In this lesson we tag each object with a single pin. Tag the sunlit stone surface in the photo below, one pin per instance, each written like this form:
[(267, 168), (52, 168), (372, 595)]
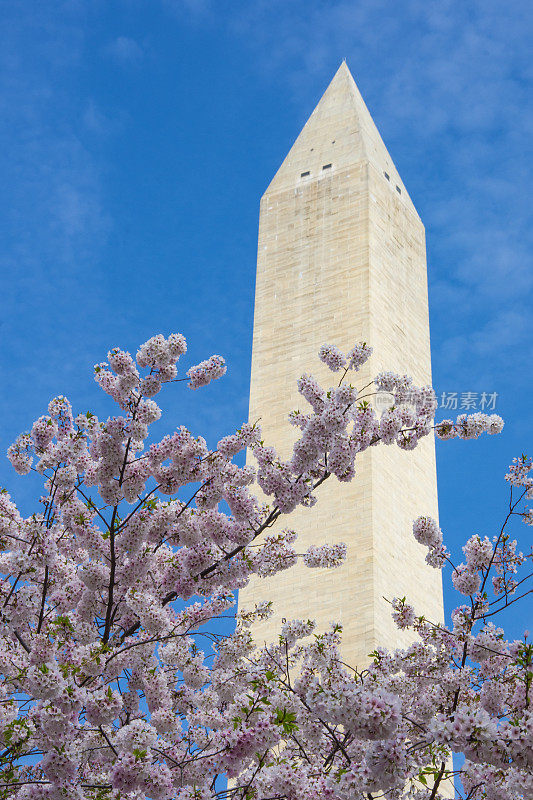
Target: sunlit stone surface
[(341, 259)]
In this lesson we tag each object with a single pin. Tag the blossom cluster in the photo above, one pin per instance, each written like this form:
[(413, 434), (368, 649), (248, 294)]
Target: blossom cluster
[(469, 426), (108, 591)]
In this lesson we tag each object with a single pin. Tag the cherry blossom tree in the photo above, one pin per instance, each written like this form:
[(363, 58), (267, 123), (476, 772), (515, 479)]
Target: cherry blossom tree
[(117, 683)]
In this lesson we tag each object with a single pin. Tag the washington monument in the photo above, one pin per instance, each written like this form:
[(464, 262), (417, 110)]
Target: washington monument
[(342, 259)]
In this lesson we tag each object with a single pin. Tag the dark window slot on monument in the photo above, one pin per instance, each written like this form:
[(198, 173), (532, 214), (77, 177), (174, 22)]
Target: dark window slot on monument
[(326, 166), (305, 174), (398, 190), (387, 175)]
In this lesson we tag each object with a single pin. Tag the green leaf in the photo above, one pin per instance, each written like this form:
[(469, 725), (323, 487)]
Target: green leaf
[(287, 719)]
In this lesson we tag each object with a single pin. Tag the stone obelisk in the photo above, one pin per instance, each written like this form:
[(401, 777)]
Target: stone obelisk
[(341, 259)]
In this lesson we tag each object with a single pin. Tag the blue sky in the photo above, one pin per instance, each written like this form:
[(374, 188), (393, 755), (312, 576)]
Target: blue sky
[(137, 137)]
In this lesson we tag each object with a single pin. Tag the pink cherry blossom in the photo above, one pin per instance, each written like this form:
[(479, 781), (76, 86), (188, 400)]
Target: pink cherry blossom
[(117, 678)]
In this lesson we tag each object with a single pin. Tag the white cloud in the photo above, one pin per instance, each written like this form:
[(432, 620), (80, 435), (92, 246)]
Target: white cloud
[(54, 205), (125, 50)]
